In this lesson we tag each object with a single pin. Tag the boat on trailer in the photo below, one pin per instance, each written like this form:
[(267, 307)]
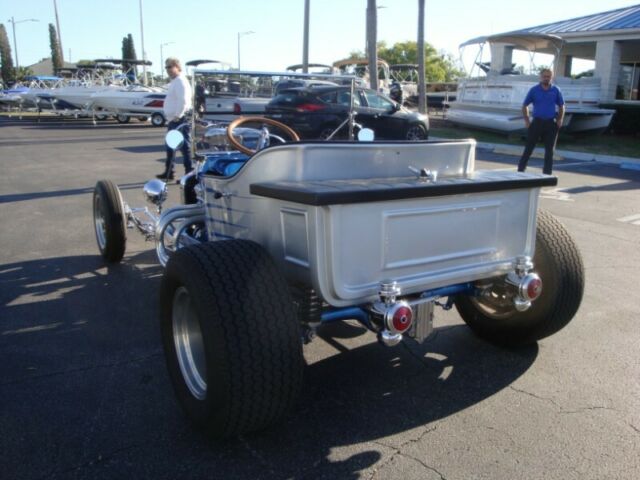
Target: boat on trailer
[(492, 99)]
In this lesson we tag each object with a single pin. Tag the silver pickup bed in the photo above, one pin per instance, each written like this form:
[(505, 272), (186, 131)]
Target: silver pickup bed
[(343, 236)]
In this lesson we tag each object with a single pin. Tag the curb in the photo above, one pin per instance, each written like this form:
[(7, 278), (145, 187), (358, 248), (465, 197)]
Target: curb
[(630, 163)]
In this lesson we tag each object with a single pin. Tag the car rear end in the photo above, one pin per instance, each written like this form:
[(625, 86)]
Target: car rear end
[(302, 109)]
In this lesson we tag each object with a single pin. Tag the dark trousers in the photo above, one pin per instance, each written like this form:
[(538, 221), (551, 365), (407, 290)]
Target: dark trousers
[(185, 147), (547, 130)]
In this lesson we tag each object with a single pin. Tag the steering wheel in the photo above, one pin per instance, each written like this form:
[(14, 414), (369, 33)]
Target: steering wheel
[(242, 120)]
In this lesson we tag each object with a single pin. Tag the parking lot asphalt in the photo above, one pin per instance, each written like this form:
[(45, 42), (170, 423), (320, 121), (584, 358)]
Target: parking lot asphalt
[(84, 391)]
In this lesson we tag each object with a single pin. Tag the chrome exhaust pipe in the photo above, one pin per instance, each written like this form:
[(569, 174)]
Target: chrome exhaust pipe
[(179, 218)]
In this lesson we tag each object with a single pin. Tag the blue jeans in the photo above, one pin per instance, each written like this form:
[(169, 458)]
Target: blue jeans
[(185, 147)]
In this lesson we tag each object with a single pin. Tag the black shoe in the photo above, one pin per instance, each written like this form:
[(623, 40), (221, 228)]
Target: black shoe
[(164, 176)]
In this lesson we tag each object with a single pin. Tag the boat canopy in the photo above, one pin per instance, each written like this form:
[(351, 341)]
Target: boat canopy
[(118, 61), (299, 66), (357, 61), (532, 42), (41, 78), (198, 62)]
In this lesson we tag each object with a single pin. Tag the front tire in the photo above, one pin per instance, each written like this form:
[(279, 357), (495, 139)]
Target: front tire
[(559, 264), (109, 221), (123, 118), (231, 337), (157, 120), (416, 132)]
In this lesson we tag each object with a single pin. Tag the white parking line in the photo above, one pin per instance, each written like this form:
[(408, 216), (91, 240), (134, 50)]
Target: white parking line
[(556, 194), (632, 219)]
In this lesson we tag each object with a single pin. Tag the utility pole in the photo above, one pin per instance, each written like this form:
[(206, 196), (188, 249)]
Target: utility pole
[(372, 40), (305, 41), (55, 8), (144, 56), (422, 90)]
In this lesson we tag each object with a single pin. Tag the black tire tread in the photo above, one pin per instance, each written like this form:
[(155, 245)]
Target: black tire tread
[(116, 238), (247, 301), (563, 288), (422, 127)]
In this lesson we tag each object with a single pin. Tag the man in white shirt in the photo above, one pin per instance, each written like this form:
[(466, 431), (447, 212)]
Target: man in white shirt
[(176, 104)]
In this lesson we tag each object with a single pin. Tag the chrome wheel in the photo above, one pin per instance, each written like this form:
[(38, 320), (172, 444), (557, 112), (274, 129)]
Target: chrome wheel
[(187, 337), (98, 220), (496, 301)]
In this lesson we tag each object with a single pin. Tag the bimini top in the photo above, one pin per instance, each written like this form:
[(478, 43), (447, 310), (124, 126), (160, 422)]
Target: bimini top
[(356, 61), (532, 42)]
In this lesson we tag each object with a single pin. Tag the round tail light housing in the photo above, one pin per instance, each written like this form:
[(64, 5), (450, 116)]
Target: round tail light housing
[(530, 287), (399, 317)]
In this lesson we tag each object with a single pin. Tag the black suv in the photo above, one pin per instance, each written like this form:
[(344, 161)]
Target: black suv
[(316, 112)]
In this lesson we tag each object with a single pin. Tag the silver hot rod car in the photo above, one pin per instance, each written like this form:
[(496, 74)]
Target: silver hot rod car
[(275, 239)]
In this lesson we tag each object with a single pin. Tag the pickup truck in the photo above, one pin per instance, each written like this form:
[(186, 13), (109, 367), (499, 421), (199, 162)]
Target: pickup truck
[(274, 242), (228, 108)]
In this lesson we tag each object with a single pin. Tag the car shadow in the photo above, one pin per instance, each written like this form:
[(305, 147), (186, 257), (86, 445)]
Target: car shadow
[(85, 386), (385, 398)]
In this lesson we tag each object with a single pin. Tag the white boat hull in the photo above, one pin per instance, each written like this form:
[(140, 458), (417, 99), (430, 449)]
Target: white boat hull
[(495, 103), (148, 102), (510, 119)]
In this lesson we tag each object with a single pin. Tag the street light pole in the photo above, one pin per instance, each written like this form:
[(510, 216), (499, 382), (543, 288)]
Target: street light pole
[(242, 34), (15, 43), (162, 58)]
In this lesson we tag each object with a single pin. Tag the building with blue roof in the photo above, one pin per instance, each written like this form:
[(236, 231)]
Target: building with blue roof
[(611, 39)]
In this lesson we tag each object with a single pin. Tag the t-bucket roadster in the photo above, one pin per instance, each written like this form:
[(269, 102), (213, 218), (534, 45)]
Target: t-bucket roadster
[(271, 244)]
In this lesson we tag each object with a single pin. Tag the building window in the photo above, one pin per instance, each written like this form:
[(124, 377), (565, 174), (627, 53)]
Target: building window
[(629, 82)]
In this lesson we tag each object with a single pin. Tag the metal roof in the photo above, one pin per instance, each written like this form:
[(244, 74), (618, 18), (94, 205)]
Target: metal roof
[(620, 19)]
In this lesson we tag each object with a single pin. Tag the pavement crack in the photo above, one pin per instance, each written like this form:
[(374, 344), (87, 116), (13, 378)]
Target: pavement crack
[(561, 409), (634, 427), (397, 451), (428, 467), (96, 461), (538, 397), (586, 409), (255, 454), (82, 369)]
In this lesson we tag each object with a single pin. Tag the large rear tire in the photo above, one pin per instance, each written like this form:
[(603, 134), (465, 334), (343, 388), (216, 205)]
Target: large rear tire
[(109, 221), (559, 264), (231, 337)]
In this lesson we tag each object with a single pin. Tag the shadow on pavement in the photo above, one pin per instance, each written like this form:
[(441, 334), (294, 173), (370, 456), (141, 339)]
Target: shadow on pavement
[(85, 392), (21, 197)]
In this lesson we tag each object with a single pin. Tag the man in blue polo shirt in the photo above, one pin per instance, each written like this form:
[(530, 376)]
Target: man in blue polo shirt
[(546, 122)]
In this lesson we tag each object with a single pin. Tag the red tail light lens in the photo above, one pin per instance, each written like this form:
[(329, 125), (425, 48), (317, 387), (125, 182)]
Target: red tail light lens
[(309, 107), (534, 289), (400, 318), (531, 287), (237, 109)]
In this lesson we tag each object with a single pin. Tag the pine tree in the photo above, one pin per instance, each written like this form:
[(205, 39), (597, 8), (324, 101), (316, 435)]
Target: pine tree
[(7, 72), (129, 53), (56, 55)]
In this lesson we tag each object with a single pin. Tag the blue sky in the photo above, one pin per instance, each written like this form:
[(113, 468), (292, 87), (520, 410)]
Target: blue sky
[(209, 28)]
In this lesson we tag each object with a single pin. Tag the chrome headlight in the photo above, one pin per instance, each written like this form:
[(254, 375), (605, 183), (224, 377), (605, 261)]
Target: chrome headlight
[(155, 192)]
